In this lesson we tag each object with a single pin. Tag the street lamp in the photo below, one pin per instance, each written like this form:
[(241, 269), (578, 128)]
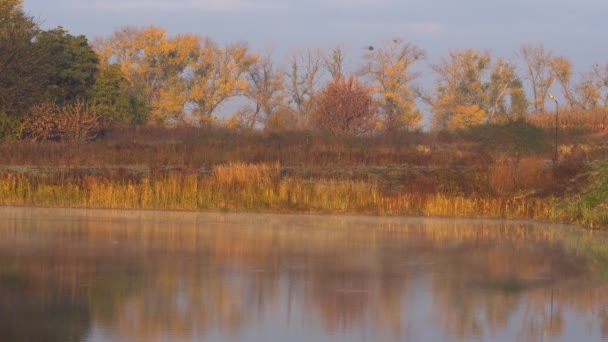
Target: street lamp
[(556, 127)]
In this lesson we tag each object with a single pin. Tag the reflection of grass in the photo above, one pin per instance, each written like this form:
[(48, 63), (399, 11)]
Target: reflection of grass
[(10, 276), (250, 187), (509, 285)]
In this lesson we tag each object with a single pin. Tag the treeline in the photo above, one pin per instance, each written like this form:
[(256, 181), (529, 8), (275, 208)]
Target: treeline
[(56, 86)]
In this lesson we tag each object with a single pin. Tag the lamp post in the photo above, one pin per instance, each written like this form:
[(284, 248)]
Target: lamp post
[(556, 123)]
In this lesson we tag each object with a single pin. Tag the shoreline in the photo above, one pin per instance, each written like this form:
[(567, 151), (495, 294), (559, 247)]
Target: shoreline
[(310, 214), (388, 190)]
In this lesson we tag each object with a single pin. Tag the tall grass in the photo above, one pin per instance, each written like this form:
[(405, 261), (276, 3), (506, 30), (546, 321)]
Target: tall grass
[(595, 120), (248, 187)]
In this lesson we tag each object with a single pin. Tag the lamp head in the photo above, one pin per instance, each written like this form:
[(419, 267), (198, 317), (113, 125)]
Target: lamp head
[(551, 96)]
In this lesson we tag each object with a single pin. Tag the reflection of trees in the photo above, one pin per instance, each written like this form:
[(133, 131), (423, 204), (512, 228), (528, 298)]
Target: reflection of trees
[(177, 276), (21, 318)]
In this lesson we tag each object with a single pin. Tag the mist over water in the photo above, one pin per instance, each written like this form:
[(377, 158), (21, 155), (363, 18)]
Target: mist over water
[(99, 275)]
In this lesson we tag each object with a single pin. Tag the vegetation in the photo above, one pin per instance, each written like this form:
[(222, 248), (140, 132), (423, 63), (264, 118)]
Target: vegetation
[(139, 120), (459, 174), (145, 76)]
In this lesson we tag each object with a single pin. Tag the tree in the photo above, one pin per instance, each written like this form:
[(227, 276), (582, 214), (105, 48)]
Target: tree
[(334, 62), (504, 84), (304, 76), (218, 75), (389, 69), (345, 107), (155, 66), (600, 76), (265, 91), (461, 99), (519, 101), (562, 69), (113, 99), (471, 90), (592, 90), (71, 65), (540, 73), (20, 64)]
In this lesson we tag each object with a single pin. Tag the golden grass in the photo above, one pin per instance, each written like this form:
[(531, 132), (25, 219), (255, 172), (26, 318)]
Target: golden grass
[(595, 120), (249, 187)]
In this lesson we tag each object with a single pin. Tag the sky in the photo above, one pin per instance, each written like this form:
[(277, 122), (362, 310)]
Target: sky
[(576, 29)]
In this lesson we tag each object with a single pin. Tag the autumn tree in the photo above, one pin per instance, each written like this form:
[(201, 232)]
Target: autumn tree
[(217, 74), (345, 107), (460, 97), (518, 99), (471, 90), (562, 69), (505, 84), (155, 65), (389, 69), (538, 63), (599, 76), (592, 89)]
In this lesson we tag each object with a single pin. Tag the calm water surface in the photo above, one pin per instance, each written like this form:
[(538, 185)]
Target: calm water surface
[(93, 275)]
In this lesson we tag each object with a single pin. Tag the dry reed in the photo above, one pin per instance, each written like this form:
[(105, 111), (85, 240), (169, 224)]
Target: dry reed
[(250, 187)]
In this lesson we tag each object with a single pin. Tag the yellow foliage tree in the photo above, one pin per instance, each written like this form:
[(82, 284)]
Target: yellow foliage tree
[(562, 69), (155, 65), (389, 69), (465, 116), (217, 75), (461, 88), (471, 90)]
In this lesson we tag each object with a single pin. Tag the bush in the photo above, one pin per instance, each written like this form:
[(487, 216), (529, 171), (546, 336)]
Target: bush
[(71, 123), (10, 128), (346, 107)]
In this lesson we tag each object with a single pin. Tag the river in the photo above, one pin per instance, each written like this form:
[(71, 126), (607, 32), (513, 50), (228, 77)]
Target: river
[(107, 275)]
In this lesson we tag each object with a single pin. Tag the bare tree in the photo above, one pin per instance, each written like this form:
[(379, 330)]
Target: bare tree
[(540, 72), (306, 68), (334, 62), (266, 91)]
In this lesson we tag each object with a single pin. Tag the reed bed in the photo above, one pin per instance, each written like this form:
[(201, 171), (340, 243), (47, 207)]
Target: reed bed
[(249, 187)]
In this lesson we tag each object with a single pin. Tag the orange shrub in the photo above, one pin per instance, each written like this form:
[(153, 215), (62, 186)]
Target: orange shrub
[(346, 107)]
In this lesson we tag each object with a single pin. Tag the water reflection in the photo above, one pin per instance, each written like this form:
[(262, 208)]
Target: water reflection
[(91, 275)]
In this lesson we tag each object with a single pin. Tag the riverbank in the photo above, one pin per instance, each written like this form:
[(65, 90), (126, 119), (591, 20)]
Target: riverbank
[(463, 174), (272, 188)]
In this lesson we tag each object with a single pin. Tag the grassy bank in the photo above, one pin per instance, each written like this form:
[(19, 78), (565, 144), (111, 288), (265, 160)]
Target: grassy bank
[(249, 187), (586, 201), (498, 170)]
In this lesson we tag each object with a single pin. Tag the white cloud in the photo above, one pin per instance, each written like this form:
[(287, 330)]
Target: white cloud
[(428, 28), (188, 5)]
